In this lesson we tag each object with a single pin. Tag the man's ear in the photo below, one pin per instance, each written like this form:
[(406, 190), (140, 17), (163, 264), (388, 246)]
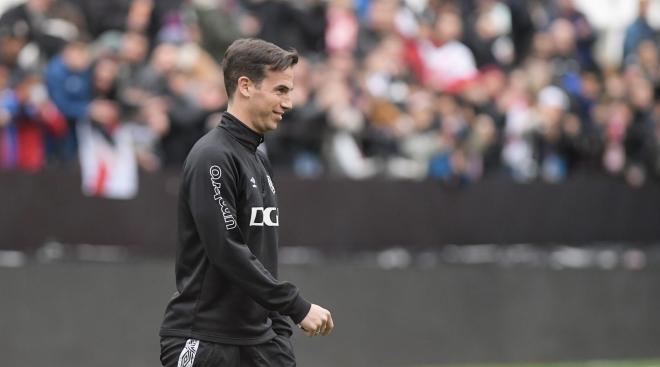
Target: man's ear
[(244, 84)]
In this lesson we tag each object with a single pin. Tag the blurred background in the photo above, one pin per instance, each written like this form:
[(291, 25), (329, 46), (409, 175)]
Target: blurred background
[(460, 182)]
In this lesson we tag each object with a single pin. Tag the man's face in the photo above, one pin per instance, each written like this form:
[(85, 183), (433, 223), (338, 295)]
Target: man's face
[(271, 99)]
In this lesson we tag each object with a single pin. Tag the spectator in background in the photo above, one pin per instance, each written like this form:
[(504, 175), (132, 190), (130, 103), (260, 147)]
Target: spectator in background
[(291, 24), (342, 27), (103, 16), (12, 41), (142, 16), (423, 141), (223, 21), (652, 145), (616, 123), (107, 144), (152, 78), (379, 22), (641, 103), (148, 129), (450, 164), (483, 94), (347, 150), (647, 60), (550, 142), (522, 28), (186, 119), (586, 106), (32, 19), (637, 32), (585, 35), (107, 153), (29, 123), (565, 58), (68, 78), (447, 64), (518, 102), (487, 34), (132, 56), (105, 71), (482, 147)]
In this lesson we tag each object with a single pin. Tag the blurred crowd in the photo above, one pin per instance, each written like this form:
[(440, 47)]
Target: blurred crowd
[(415, 89)]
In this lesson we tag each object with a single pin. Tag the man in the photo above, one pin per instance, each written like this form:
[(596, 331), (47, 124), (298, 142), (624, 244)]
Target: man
[(229, 308), (637, 32)]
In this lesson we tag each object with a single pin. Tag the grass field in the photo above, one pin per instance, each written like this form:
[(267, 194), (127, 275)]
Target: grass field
[(649, 363)]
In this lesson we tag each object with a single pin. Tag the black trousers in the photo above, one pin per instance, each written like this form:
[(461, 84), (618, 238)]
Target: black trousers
[(181, 352)]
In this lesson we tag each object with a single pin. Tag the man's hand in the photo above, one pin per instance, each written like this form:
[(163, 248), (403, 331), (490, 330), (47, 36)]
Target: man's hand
[(317, 322)]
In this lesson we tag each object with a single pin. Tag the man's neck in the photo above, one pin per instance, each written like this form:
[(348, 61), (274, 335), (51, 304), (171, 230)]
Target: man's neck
[(243, 116)]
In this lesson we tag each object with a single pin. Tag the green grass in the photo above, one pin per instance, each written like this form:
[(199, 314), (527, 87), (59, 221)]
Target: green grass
[(655, 363)]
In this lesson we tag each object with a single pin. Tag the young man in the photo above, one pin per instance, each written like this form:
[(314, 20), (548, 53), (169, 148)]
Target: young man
[(229, 309)]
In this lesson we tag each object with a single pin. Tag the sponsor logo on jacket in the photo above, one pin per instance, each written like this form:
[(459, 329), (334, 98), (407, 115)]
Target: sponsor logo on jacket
[(270, 183), (264, 217), (216, 174)]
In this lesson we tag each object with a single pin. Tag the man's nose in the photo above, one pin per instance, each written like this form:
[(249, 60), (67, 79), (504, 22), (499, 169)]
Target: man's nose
[(286, 104)]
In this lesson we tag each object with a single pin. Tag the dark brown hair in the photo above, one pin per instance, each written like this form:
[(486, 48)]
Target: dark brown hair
[(251, 57)]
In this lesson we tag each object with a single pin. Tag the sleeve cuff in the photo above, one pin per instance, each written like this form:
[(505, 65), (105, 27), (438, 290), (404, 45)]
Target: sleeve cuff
[(300, 309)]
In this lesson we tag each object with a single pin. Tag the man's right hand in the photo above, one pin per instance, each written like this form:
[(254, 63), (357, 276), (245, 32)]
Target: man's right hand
[(317, 322)]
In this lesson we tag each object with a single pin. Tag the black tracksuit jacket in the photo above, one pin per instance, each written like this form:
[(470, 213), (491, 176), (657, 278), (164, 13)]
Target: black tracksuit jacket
[(226, 261)]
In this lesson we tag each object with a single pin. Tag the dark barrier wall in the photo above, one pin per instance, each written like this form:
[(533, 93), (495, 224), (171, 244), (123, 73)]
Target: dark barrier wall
[(336, 214), (97, 315)]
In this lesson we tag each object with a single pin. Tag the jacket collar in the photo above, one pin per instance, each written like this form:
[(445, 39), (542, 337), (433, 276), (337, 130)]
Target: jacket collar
[(248, 138)]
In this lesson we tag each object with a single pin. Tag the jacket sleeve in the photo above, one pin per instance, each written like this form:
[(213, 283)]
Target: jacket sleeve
[(212, 196)]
